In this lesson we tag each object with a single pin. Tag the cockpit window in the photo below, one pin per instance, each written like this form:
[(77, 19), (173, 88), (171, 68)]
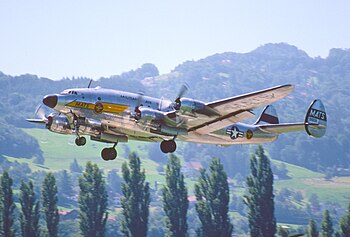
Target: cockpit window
[(69, 92)]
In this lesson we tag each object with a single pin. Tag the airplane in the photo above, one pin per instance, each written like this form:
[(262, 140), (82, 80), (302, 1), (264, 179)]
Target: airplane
[(113, 116)]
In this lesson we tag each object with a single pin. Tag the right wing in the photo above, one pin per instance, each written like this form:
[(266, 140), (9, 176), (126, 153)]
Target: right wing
[(237, 109)]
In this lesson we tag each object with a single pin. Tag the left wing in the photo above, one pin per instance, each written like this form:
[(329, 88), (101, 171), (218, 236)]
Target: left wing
[(238, 108)]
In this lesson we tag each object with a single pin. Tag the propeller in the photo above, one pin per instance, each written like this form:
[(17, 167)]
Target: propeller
[(41, 117), (137, 113), (40, 113), (183, 89)]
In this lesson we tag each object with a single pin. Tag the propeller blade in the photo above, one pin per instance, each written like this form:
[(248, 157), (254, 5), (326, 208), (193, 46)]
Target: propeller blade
[(40, 113), (184, 88), (36, 121)]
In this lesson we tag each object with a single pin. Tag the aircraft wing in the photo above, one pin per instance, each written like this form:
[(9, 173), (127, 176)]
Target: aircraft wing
[(237, 109)]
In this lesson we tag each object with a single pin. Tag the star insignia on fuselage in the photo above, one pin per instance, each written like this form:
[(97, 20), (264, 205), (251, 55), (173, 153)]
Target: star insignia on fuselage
[(234, 132)]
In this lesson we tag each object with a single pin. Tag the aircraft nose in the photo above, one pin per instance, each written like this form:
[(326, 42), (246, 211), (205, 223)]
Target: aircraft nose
[(50, 100)]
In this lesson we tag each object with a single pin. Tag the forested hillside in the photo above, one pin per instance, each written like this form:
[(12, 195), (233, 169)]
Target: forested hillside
[(215, 77)]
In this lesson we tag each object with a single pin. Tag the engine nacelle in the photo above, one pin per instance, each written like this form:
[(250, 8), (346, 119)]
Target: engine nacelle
[(148, 115), (58, 124), (191, 105)]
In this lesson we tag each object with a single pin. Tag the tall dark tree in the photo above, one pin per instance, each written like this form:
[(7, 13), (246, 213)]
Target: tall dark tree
[(175, 202), (30, 210), (7, 206), (213, 196), (345, 223), (135, 202), (260, 200), (93, 201), (327, 225), (312, 229), (49, 202)]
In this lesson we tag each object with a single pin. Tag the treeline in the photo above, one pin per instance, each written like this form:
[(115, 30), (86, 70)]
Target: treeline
[(39, 216)]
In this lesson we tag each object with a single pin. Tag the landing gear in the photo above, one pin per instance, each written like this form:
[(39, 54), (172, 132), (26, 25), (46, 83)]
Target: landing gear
[(168, 146), (109, 153), (80, 141)]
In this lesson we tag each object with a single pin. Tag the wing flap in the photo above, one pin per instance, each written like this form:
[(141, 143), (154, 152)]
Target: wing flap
[(222, 122)]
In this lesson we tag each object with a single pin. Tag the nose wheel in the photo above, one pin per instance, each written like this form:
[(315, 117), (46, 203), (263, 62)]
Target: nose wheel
[(168, 146)]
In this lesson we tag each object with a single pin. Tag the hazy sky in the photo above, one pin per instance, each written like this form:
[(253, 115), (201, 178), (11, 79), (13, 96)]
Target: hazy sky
[(92, 38)]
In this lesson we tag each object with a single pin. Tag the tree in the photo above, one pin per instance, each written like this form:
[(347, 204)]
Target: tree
[(75, 167), (49, 202), (327, 225), (175, 202), (213, 196), (345, 223), (135, 202), (64, 184), (7, 206), (312, 229), (30, 210), (93, 200), (260, 199)]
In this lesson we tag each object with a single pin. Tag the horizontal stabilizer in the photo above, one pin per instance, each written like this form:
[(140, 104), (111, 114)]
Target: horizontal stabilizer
[(283, 127), (315, 122)]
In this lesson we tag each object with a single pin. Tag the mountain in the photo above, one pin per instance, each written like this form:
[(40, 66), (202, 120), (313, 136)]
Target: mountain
[(222, 75)]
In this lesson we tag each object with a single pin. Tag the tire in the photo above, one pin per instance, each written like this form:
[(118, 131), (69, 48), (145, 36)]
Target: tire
[(82, 141), (108, 154)]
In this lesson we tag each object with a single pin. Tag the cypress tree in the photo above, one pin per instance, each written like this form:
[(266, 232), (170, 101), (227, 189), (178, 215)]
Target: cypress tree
[(49, 202), (262, 222), (7, 206), (30, 211), (345, 223), (212, 194), (135, 202), (175, 202), (327, 225), (93, 200), (312, 229)]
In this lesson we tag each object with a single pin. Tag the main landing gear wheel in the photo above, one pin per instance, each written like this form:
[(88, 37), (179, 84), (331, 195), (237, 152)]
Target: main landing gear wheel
[(80, 141), (168, 146), (109, 153)]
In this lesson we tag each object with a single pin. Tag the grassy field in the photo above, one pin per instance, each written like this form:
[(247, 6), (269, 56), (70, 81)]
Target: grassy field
[(59, 152)]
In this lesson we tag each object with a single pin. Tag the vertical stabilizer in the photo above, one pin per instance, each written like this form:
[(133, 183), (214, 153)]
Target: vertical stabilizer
[(316, 119), (268, 116)]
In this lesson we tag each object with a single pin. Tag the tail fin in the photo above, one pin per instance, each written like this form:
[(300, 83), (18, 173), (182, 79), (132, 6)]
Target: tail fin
[(316, 119), (268, 116)]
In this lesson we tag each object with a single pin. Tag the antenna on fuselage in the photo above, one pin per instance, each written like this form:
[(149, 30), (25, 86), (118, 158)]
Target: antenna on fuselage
[(90, 83)]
